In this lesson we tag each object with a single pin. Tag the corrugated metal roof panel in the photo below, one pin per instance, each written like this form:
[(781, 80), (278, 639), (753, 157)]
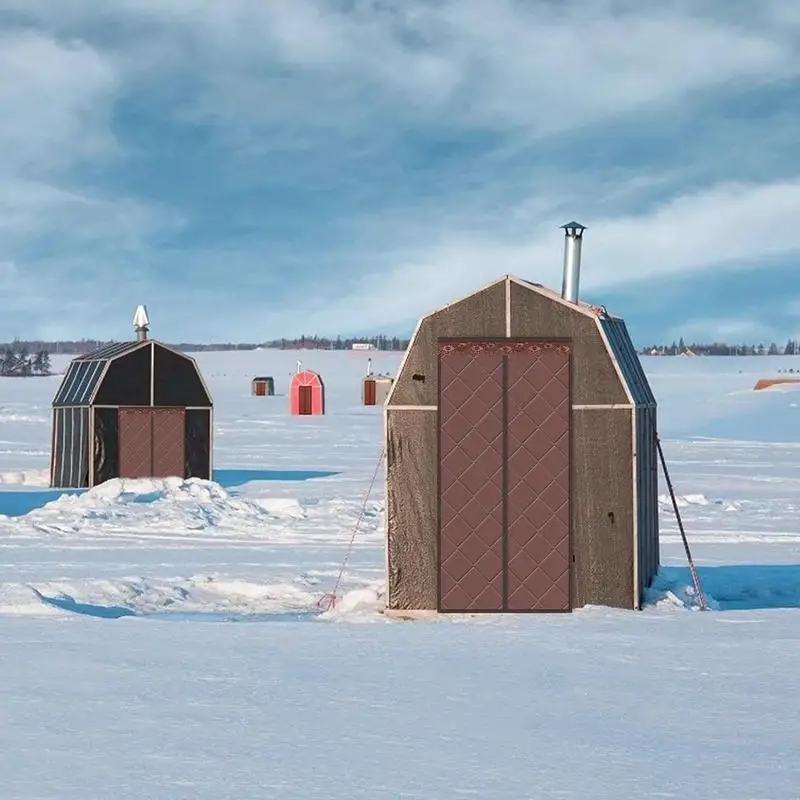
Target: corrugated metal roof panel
[(110, 351), (619, 340), (84, 373), (78, 383), (85, 385), (66, 382)]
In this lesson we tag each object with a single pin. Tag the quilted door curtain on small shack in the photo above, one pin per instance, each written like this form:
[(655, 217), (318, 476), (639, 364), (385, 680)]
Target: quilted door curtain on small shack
[(504, 467)]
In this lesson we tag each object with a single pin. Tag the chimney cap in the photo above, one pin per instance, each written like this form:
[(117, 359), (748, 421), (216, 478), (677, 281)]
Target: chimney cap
[(140, 317), (573, 228)]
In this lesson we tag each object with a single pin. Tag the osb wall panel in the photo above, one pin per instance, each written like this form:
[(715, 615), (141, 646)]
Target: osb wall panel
[(602, 507), (594, 379), (411, 514), (481, 314)]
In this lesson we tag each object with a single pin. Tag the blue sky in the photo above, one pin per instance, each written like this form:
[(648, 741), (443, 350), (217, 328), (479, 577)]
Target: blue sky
[(251, 169)]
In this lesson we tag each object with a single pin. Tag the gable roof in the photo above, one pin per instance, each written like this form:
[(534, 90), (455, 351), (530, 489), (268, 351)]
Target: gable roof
[(85, 372), (613, 329)]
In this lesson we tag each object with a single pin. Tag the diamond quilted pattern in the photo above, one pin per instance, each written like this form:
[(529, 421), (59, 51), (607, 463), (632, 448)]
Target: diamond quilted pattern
[(168, 442), (471, 478), (538, 510), (504, 413), (135, 453)]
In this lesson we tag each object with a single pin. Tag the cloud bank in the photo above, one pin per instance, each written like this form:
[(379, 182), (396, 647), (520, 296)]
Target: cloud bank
[(255, 169)]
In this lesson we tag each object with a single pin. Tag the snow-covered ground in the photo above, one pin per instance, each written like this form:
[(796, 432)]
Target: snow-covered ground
[(121, 675)]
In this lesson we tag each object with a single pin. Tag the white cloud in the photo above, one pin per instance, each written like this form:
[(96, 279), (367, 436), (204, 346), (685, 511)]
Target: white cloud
[(726, 226), (540, 66), (56, 98), (300, 91)]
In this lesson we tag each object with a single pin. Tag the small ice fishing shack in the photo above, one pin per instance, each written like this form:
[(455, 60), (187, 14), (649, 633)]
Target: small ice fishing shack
[(137, 409), (521, 456)]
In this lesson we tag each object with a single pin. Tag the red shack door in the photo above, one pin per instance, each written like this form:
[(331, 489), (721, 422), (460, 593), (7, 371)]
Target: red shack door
[(305, 400), (504, 511), (261, 388), (369, 393)]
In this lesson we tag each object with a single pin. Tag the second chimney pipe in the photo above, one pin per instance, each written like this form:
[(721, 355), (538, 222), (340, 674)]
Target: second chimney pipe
[(573, 239)]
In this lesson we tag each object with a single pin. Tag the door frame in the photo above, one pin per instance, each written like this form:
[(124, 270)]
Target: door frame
[(571, 454)]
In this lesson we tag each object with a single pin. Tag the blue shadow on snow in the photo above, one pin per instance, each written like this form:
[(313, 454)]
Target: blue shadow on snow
[(228, 478), (65, 603), (18, 502), (741, 587), (86, 609)]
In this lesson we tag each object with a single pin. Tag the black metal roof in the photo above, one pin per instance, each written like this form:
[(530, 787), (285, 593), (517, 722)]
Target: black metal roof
[(85, 372), (622, 348), (112, 350), (263, 378), (79, 382)]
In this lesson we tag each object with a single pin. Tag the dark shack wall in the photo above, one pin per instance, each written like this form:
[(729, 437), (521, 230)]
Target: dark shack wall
[(70, 456), (198, 444), (602, 507), (127, 380), (647, 496), (176, 381), (105, 461), (594, 379), (482, 314), (411, 512)]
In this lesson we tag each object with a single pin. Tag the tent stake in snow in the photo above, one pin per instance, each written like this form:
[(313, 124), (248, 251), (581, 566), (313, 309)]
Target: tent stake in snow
[(695, 578)]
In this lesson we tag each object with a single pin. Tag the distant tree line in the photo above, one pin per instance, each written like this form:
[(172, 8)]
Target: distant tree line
[(16, 362), (75, 347), (792, 347), (381, 342)]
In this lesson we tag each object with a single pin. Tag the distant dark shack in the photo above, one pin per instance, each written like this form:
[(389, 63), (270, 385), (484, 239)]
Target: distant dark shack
[(263, 386), (131, 410), (521, 461)]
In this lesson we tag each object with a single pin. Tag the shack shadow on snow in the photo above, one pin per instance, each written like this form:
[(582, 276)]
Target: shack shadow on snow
[(228, 478), (18, 502), (740, 587), (66, 603)]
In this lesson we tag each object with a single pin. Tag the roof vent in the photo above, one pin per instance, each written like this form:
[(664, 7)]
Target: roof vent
[(141, 323), (573, 239)]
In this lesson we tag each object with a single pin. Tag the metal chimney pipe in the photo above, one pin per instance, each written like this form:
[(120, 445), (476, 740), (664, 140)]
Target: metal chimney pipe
[(573, 239), (141, 323)]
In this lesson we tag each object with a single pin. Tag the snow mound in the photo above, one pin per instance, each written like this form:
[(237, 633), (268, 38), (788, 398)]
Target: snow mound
[(142, 597), (696, 501), (684, 500), (282, 506), (134, 507), (26, 477), (359, 605), (677, 593)]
